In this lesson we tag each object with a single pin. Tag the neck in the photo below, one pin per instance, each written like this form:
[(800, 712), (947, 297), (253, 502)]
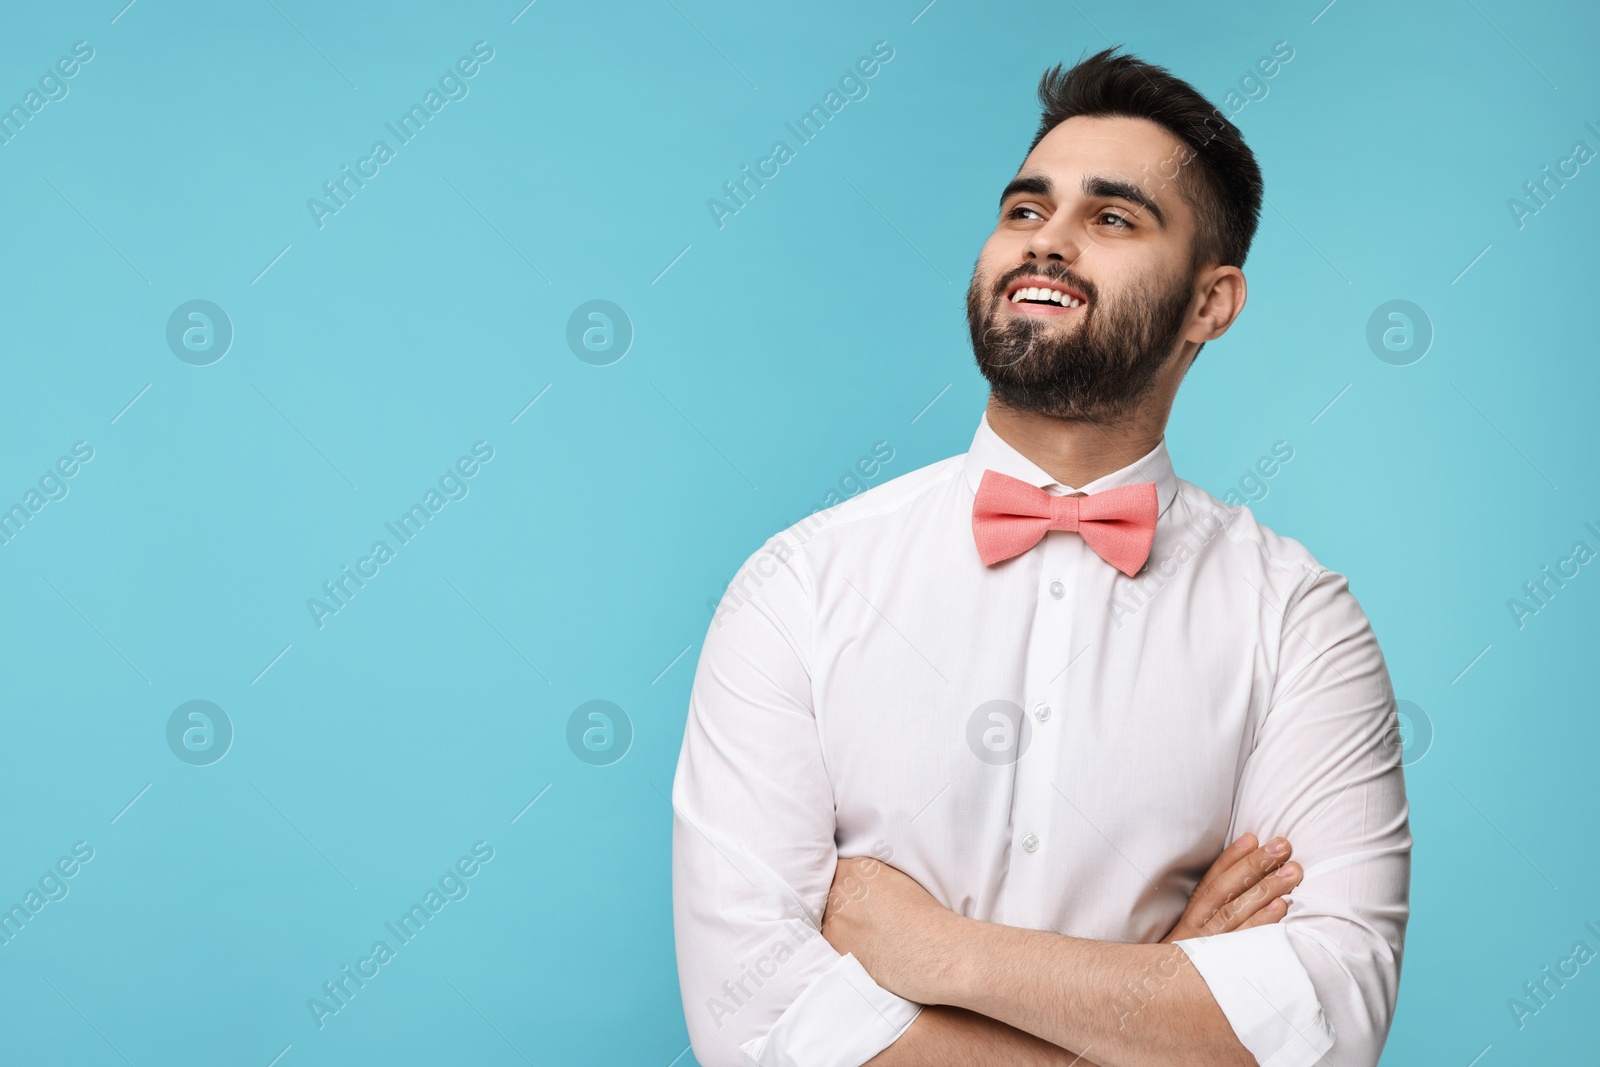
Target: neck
[(1075, 451)]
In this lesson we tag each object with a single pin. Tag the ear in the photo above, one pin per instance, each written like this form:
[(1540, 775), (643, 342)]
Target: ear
[(1220, 292)]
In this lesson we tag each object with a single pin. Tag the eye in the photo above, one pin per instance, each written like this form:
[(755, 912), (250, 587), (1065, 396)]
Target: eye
[(1119, 222), (1017, 212)]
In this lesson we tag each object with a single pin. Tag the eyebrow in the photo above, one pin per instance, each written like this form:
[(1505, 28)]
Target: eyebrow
[(1094, 185)]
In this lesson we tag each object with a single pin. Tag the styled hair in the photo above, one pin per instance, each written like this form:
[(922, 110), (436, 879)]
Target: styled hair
[(1219, 178)]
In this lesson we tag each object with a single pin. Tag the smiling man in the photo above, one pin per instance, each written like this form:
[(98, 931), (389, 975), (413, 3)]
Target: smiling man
[(959, 777)]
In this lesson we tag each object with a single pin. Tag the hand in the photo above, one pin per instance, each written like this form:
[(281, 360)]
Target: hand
[(1239, 891), (892, 925)]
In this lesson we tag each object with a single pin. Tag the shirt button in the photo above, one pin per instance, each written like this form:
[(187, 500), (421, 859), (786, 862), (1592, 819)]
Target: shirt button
[(1029, 842), (1041, 712), (1057, 590)]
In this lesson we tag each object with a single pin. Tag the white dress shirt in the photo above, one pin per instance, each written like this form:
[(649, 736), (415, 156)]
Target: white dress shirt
[(1044, 743)]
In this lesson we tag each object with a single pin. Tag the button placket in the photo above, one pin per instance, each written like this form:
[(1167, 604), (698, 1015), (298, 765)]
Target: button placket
[(1035, 800)]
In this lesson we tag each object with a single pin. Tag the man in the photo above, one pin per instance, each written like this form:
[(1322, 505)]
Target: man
[(960, 749)]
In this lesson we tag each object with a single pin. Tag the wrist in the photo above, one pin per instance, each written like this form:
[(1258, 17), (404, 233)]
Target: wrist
[(954, 961)]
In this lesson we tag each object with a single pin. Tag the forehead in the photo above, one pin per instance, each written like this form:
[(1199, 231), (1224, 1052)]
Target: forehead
[(1106, 144)]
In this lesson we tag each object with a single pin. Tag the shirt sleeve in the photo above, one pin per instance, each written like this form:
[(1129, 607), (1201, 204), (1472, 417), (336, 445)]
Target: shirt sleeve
[(1319, 986), (753, 848)]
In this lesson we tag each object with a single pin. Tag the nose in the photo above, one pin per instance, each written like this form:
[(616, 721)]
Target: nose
[(1056, 242)]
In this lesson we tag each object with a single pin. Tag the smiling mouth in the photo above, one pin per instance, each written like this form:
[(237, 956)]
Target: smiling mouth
[(1036, 296)]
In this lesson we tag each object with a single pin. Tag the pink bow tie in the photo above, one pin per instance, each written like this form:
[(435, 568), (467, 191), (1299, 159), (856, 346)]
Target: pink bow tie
[(1010, 516)]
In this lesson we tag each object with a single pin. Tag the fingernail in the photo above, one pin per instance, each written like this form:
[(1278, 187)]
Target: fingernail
[(1277, 846), (1287, 871)]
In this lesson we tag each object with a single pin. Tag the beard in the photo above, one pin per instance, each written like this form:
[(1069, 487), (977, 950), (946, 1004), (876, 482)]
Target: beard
[(1097, 371)]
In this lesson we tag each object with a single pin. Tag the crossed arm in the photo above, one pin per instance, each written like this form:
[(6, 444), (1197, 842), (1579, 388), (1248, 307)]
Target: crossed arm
[(754, 855), (1000, 994)]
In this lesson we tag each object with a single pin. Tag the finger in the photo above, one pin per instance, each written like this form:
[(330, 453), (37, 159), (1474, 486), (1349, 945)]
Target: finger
[(1273, 912), (1250, 870), (1243, 875), (1234, 914), (1230, 855)]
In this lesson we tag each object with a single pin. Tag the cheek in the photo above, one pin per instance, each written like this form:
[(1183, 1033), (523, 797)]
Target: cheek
[(1003, 250), (986, 269), (984, 272)]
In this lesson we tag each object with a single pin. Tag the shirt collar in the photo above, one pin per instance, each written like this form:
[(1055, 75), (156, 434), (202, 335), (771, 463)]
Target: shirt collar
[(990, 451)]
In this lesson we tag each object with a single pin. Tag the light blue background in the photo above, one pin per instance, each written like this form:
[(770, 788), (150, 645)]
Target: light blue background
[(769, 356)]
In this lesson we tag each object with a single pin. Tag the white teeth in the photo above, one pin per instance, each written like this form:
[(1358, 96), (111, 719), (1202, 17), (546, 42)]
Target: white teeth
[(1054, 296)]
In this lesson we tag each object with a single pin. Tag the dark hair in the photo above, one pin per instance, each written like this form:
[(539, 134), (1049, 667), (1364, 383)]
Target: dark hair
[(1224, 184)]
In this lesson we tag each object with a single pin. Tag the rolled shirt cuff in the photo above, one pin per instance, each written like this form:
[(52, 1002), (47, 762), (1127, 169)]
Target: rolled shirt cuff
[(1262, 987), (842, 1019)]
